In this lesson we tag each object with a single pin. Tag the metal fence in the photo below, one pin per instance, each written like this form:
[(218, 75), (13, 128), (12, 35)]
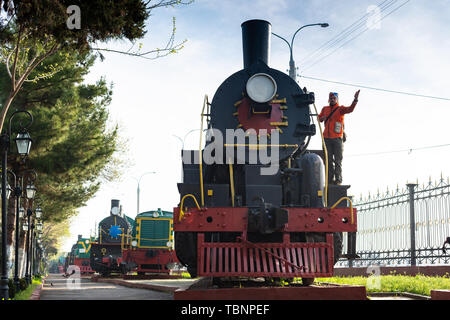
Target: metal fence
[(405, 226)]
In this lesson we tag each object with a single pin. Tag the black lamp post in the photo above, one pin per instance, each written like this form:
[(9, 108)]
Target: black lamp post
[(36, 235), (19, 213), (23, 143), (28, 229), (292, 70), (30, 193), (30, 274)]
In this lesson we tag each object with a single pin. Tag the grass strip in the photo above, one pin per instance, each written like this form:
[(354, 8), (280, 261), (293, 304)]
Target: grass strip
[(26, 294), (418, 284)]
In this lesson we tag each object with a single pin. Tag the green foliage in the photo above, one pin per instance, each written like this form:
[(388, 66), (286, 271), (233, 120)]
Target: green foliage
[(12, 288), (418, 284), (26, 293), (22, 284), (101, 20), (72, 143)]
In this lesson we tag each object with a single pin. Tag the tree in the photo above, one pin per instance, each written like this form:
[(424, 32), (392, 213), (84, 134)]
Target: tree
[(32, 33), (34, 30), (73, 145)]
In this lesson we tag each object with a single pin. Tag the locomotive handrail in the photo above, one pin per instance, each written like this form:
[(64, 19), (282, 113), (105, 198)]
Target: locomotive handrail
[(205, 103), (351, 205), (231, 182), (182, 201), (326, 159)]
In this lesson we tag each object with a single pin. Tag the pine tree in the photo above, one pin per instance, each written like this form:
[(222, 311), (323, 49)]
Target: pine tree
[(72, 141)]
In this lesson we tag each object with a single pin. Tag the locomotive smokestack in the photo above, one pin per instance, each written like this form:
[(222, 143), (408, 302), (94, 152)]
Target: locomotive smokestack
[(256, 41), (115, 204)]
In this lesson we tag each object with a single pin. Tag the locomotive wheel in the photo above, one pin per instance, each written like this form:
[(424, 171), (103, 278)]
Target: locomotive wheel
[(186, 251)]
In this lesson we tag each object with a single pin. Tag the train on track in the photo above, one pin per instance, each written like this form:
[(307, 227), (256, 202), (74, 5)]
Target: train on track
[(143, 245), (256, 203), (79, 256)]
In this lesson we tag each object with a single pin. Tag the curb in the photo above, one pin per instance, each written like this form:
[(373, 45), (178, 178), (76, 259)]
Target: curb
[(399, 294), (440, 294), (36, 295), (139, 285)]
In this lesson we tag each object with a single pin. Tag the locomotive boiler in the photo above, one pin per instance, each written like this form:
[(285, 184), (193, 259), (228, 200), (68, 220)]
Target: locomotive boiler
[(254, 201)]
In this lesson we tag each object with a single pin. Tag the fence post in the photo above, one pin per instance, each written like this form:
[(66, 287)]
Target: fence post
[(412, 221)]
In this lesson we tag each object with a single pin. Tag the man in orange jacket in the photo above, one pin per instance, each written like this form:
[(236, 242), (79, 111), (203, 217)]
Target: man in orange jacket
[(333, 115)]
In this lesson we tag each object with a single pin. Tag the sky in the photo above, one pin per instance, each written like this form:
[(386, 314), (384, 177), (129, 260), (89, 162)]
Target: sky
[(156, 100)]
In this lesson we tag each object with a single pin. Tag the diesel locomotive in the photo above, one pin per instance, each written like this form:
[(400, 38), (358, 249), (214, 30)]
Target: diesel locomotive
[(79, 255), (152, 247), (242, 215), (143, 245)]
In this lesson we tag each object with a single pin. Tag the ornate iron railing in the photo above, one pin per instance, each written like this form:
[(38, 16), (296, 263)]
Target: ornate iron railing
[(385, 235)]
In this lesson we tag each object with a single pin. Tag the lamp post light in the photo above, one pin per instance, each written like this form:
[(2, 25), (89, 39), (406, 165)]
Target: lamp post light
[(38, 212), (23, 143), (292, 69), (31, 191)]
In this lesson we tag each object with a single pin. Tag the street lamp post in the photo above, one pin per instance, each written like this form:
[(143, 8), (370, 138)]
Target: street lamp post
[(27, 248), (30, 192), (17, 194), (36, 260), (23, 143), (30, 274), (292, 69), (138, 187)]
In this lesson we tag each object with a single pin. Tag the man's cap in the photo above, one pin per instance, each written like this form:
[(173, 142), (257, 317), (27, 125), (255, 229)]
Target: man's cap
[(335, 94)]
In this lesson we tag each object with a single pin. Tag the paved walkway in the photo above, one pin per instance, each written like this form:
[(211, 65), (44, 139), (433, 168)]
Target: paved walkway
[(58, 288)]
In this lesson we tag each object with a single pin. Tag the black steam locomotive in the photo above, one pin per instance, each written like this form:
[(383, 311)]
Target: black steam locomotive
[(113, 232), (261, 208)]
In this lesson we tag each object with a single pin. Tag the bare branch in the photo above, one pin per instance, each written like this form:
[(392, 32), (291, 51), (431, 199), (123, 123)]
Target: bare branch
[(165, 51), (166, 3), (13, 77), (7, 63)]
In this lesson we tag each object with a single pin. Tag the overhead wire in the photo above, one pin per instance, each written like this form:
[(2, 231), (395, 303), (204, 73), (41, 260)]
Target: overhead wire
[(378, 89), (308, 66), (410, 150), (344, 33)]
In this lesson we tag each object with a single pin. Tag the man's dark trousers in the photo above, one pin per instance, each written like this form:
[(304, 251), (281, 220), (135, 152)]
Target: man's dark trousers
[(335, 150)]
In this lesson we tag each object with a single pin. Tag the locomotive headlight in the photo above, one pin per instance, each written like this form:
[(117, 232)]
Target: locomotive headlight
[(169, 244), (134, 243), (155, 214), (115, 211), (261, 88)]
